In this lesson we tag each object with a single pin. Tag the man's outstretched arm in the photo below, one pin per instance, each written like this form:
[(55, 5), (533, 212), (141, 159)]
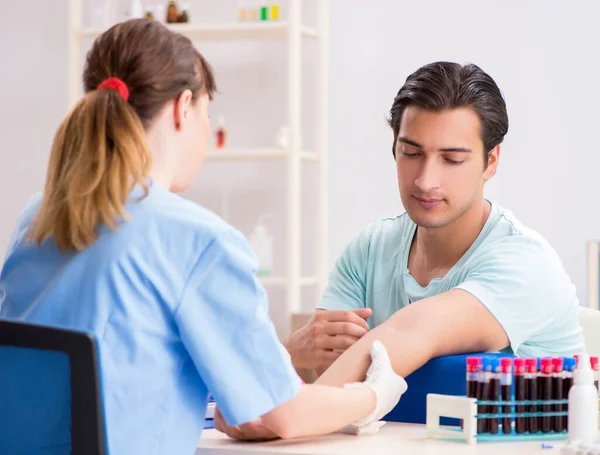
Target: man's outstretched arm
[(449, 323)]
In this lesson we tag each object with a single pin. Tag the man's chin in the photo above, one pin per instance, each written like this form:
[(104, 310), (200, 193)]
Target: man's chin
[(427, 221)]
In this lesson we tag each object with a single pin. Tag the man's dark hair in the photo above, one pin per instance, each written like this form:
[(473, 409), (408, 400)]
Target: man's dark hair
[(447, 85)]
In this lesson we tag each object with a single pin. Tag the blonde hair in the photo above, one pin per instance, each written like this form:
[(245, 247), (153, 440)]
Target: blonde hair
[(100, 151)]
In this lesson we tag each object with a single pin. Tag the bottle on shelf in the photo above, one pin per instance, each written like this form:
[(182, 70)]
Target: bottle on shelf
[(282, 138), (172, 12), (220, 133), (185, 15), (253, 10), (243, 13), (274, 11), (262, 244), (149, 13), (264, 11)]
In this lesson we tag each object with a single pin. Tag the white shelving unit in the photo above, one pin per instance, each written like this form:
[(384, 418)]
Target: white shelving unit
[(293, 32)]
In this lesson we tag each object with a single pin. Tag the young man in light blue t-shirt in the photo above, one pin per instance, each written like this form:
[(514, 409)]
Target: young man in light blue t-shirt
[(454, 274)]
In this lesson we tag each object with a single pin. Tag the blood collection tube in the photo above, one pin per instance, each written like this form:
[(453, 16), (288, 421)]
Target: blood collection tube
[(520, 394), (483, 392), (569, 367), (473, 373), (473, 369), (540, 388), (546, 393), (494, 394), (557, 393), (531, 393), (506, 392)]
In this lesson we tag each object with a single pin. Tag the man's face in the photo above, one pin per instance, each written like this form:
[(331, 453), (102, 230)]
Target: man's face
[(440, 163)]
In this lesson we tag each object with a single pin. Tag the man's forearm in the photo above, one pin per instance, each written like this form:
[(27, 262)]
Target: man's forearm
[(407, 350)]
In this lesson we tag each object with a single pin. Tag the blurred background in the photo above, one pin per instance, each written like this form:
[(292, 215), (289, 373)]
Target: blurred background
[(542, 53)]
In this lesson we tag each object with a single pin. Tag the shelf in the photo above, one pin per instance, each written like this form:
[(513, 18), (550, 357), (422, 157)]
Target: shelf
[(256, 154), (225, 31), (282, 280)]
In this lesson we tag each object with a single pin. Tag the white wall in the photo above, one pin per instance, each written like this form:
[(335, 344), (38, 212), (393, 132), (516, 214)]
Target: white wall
[(33, 61), (542, 54)]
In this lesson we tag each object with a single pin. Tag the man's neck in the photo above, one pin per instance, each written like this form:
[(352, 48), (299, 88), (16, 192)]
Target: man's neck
[(438, 249)]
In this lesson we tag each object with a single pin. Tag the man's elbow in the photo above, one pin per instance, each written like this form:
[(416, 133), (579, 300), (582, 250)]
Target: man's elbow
[(287, 431), (282, 424)]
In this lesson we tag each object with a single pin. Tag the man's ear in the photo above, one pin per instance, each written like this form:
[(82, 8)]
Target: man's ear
[(492, 164)]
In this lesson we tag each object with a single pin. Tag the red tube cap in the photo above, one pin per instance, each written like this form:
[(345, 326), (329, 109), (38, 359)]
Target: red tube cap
[(557, 363), (473, 364), (531, 365), (506, 364), (546, 365), (519, 366)]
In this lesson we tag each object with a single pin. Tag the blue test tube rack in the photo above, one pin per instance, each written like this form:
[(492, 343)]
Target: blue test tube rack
[(465, 408)]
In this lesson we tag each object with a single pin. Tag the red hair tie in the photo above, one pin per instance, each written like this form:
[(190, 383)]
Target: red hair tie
[(114, 83)]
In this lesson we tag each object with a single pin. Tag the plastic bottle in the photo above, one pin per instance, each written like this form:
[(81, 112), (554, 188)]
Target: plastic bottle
[(242, 10), (264, 11), (282, 138), (274, 11), (583, 404), (253, 10), (262, 244), (569, 367)]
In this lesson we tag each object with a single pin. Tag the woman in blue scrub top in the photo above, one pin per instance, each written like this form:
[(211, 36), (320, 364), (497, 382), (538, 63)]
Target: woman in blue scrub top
[(167, 287)]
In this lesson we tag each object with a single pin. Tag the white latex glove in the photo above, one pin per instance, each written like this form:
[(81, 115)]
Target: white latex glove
[(387, 385)]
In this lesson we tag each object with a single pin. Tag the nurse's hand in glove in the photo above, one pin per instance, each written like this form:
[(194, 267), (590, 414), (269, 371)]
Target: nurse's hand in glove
[(387, 385)]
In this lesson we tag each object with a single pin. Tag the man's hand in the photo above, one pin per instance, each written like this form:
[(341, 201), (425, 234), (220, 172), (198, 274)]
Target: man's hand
[(326, 336), (251, 431)]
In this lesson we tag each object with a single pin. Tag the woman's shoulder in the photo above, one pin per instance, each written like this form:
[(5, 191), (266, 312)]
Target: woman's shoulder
[(174, 217)]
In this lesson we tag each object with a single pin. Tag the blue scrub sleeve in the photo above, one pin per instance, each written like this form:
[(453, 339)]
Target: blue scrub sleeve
[(224, 323)]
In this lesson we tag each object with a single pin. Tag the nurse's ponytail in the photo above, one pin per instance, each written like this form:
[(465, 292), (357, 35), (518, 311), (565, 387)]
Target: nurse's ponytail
[(100, 150)]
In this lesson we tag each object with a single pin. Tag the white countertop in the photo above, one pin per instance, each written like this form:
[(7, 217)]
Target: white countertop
[(393, 438)]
